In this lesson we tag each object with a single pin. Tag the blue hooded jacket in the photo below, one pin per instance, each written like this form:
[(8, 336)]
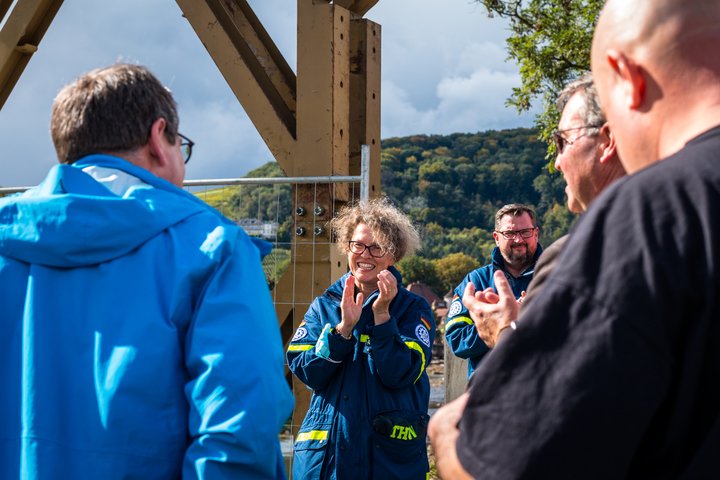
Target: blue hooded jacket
[(139, 337), (368, 413), (460, 332)]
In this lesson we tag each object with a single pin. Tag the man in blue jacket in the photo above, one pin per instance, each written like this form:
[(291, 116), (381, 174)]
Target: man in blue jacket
[(139, 338), (516, 252)]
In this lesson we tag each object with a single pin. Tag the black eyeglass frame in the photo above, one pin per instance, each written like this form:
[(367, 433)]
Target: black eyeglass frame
[(186, 145), (369, 248), (525, 233), (561, 142)]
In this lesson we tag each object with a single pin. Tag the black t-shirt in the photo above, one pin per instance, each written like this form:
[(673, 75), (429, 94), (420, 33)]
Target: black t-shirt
[(614, 370)]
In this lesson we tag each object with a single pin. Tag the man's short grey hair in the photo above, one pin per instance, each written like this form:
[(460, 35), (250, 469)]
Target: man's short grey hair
[(591, 114)]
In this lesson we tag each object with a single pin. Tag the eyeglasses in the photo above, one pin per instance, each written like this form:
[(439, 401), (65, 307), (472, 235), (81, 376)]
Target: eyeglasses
[(375, 250), (512, 234), (561, 142), (186, 146)]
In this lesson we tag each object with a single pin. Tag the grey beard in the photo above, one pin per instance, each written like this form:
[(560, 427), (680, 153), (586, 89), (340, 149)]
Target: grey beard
[(519, 261)]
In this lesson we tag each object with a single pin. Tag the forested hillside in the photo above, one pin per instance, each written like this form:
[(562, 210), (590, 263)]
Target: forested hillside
[(451, 186), (457, 182)]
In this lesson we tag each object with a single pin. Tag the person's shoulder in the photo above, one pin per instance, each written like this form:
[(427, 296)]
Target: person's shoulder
[(481, 271), (695, 163), (553, 249), (673, 184), (477, 276), (483, 274), (634, 215), (216, 236), (216, 228)]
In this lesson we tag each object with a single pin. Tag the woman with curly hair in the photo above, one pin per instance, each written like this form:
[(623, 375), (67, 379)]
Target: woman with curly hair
[(363, 348)]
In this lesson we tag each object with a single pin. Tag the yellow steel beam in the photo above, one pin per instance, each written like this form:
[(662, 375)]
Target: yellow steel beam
[(338, 100), (20, 36), (365, 97), (4, 7), (323, 89), (252, 65)]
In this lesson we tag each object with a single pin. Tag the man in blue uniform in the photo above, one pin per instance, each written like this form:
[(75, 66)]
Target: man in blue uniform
[(139, 338), (516, 252)]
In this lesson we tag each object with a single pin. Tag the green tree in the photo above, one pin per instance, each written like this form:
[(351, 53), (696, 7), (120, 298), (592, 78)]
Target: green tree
[(453, 268), (551, 42), (418, 269), (556, 222), (263, 202)]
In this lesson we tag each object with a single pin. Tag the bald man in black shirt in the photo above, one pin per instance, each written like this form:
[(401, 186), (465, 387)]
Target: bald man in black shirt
[(613, 371)]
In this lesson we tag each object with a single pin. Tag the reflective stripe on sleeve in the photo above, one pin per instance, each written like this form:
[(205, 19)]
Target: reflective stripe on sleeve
[(455, 320), (312, 435), (299, 348), (415, 346)]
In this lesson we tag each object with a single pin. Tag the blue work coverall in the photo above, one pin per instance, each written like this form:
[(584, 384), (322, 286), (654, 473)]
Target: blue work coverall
[(139, 338), (460, 332), (368, 413)]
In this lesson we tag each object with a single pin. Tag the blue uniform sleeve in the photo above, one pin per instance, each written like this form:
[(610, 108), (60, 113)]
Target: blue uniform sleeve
[(314, 354), (460, 332), (401, 348), (237, 393)]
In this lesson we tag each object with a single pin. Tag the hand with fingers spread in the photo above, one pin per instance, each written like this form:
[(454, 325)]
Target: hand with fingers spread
[(491, 312), (350, 307), (387, 288)]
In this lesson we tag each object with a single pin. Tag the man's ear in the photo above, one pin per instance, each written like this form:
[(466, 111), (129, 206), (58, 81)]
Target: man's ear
[(629, 77), (157, 144), (608, 144)]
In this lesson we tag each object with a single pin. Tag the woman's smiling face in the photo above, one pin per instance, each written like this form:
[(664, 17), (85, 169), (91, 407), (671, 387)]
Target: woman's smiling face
[(364, 266)]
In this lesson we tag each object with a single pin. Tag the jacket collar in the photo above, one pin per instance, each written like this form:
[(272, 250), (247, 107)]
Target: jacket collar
[(499, 262)]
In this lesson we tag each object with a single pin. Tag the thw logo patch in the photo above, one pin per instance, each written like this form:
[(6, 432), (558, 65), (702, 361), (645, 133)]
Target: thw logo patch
[(422, 334)]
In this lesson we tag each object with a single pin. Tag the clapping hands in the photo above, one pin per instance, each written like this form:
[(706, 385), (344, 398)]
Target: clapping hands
[(491, 312)]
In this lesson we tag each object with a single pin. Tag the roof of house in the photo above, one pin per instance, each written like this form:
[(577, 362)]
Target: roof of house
[(424, 291)]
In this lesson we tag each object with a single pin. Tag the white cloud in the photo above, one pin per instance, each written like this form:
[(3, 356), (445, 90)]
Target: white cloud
[(464, 104), (227, 144), (444, 70), (478, 101), (476, 55)]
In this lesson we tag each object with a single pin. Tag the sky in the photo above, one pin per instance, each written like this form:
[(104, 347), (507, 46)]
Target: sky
[(444, 70)]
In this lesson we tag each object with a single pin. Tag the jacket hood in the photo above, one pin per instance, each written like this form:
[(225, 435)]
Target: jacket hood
[(71, 220)]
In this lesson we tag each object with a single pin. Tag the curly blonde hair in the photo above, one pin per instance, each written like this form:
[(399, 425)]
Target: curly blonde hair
[(391, 228)]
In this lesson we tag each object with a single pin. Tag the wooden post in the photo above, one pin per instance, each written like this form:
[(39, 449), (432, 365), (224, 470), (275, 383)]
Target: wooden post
[(456, 370)]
